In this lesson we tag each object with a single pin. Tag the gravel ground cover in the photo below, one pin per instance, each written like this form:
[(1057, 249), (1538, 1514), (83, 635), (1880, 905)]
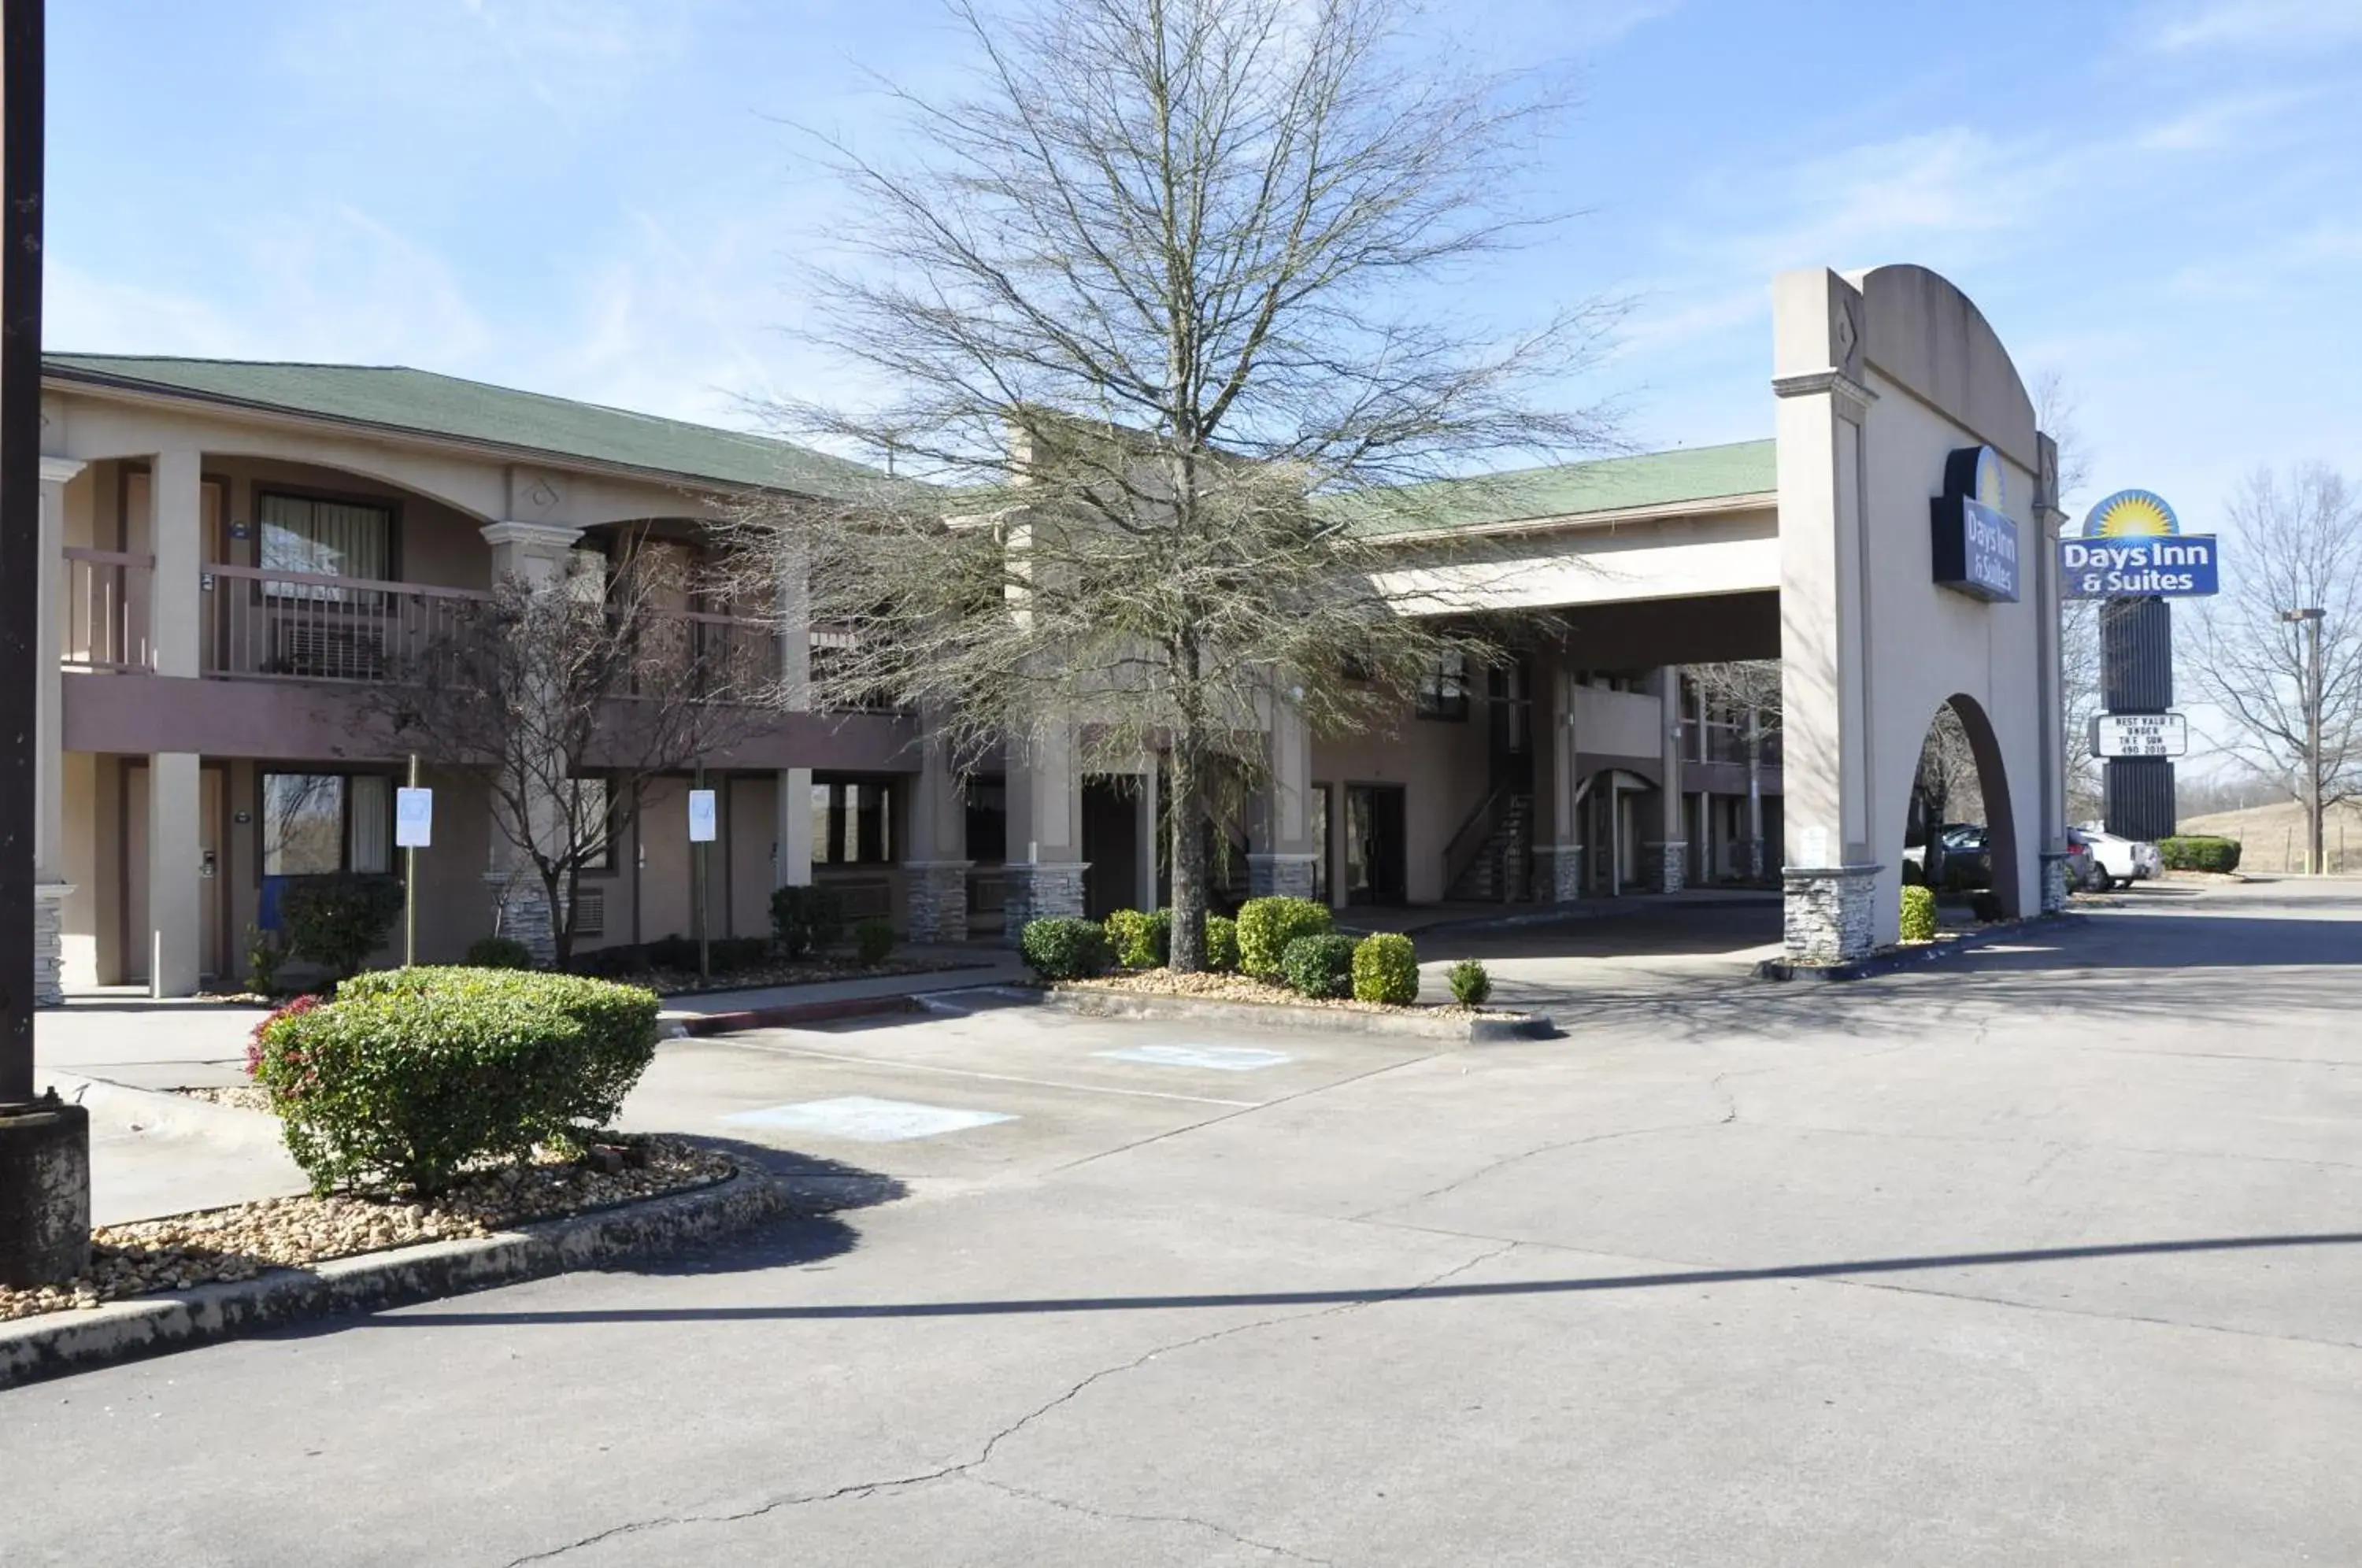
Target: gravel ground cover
[(1247, 989), (240, 1242)]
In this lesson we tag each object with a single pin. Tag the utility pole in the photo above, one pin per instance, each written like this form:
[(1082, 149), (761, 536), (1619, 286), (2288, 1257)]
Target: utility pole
[(44, 1143), (2315, 863)]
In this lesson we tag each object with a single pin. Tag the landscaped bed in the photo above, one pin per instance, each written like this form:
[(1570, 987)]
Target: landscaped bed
[(1247, 989), (763, 977), (181, 1251)]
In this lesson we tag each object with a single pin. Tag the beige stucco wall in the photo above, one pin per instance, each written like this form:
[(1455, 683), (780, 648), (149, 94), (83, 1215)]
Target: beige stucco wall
[(1443, 767)]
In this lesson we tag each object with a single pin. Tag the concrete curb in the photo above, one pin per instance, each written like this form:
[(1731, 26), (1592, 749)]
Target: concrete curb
[(1571, 913), (1317, 1020), (60, 1343), (689, 1025), (160, 1111), (1895, 960)]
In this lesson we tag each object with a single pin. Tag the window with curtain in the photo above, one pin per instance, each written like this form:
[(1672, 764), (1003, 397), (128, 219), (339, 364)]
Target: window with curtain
[(1444, 694), (323, 538), (853, 822), (316, 824)]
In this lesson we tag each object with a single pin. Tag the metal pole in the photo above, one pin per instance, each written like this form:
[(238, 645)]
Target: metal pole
[(2313, 741), (705, 947), (22, 573), (409, 889)]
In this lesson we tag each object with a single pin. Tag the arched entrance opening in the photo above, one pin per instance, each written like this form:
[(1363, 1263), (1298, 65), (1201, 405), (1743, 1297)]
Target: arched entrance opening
[(1958, 829)]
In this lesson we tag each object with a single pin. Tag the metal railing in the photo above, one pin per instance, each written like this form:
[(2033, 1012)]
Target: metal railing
[(707, 655), (264, 624), (105, 621)]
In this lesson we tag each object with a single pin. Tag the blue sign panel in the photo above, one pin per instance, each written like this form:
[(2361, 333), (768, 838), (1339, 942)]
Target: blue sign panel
[(1975, 541), (2162, 566)]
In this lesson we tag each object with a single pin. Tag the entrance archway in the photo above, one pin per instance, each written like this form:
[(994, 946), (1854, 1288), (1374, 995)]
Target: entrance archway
[(1962, 780)]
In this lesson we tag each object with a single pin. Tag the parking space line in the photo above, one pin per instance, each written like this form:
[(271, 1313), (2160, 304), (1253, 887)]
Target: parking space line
[(972, 1073)]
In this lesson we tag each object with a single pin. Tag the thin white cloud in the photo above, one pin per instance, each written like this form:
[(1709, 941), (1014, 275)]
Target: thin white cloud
[(2257, 24)]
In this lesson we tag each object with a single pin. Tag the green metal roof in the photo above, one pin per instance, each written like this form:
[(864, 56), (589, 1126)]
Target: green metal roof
[(1567, 489), (394, 397)]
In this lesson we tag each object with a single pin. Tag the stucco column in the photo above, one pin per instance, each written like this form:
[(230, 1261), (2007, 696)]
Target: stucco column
[(937, 866), (2044, 584), (1282, 857), (1668, 853), (175, 875), (1558, 839), (1045, 863), (175, 594), (792, 865), (1830, 875), (539, 556), (792, 855), (51, 888)]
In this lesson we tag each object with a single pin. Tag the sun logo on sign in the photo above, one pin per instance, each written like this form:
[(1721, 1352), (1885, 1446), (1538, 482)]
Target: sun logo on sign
[(2131, 515), (1992, 488)]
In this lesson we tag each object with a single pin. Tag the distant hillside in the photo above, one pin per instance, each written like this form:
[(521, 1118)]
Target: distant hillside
[(2273, 836)]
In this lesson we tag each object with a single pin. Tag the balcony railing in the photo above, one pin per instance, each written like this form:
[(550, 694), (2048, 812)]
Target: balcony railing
[(105, 621), (710, 655), (264, 624)]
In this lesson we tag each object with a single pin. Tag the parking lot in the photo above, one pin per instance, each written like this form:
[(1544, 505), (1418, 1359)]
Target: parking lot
[(2048, 1255)]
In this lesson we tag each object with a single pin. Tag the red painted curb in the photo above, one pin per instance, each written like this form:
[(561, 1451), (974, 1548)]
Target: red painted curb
[(793, 1013)]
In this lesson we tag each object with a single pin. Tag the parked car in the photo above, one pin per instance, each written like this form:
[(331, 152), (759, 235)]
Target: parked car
[(2119, 859), (1967, 862), (2084, 872)]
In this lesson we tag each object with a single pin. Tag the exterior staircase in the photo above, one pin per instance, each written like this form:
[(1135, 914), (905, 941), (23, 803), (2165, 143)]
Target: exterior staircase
[(1501, 870)]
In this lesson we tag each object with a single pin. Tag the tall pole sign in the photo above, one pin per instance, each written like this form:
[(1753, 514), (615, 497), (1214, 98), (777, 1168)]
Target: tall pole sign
[(2134, 557), (44, 1145)]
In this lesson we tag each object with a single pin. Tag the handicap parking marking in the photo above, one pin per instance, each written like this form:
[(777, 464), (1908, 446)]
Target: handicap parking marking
[(864, 1118), (1213, 1058)]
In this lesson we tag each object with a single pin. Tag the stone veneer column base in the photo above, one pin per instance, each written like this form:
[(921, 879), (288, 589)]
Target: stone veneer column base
[(938, 900), (1041, 892), (1667, 866), (1558, 873), (524, 914), (48, 944), (2054, 881), (1829, 912), (1289, 876)]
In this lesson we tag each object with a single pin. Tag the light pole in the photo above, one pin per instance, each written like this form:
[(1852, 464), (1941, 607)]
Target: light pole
[(2311, 619)]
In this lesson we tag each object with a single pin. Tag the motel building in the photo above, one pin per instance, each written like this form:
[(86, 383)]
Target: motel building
[(238, 551)]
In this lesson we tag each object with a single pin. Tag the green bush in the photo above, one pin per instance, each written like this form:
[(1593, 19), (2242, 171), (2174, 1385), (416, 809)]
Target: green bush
[(263, 957), (2199, 854), (1918, 914), (1385, 969), (1318, 965), (873, 940), (1471, 985), (499, 953), (1065, 948), (338, 922), (1266, 927), (1222, 944), (1139, 939), (411, 1076), (807, 920)]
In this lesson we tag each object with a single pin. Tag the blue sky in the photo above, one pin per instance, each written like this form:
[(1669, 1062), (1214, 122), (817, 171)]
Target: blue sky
[(2159, 199)]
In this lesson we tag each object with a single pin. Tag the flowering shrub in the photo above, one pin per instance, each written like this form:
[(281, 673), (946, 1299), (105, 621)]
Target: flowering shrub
[(293, 1009)]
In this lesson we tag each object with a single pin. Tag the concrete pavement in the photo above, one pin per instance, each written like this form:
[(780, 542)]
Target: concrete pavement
[(2048, 1257)]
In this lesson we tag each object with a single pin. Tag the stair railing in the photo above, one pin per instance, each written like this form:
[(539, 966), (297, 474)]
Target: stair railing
[(1460, 851)]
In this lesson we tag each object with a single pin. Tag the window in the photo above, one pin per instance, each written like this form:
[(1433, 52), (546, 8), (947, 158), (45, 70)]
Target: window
[(316, 824), (597, 813), (1444, 694), (323, 538), (852, 822), (988, 820)]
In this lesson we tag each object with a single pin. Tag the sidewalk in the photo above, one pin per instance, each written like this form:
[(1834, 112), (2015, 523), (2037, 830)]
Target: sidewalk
[(1414, 919), (713, 1012)]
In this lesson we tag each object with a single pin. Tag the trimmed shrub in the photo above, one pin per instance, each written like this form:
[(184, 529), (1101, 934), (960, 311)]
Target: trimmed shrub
[(1266, 927), (1222, 944), (1987, 907), (1472, 985), (1385, 969), (411, 1076), (806, 920), (1918, 914), (2199, 854), (1139, 939), (499, 953), (1065, 948), (338, 922), (873, 940), (1318, 965)]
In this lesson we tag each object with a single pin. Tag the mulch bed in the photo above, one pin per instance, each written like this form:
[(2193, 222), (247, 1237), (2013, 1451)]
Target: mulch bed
[(242, 1240), (1247, 989)]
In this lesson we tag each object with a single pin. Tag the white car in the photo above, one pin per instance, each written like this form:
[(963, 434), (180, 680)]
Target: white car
[(2121, 859)]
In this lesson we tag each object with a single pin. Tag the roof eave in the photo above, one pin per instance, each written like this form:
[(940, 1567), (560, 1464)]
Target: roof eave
[(1574, 522)]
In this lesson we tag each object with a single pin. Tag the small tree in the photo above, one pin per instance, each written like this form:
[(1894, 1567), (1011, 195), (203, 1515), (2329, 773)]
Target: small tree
[(1161, 301), (2296, 544), (569, 699)]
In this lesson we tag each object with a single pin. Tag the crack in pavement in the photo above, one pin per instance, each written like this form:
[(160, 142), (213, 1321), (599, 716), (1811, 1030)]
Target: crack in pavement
[(984, 1455), (1112, 1515)]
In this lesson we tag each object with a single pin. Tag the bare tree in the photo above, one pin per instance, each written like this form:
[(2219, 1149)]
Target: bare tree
[(2056, 409), (569, 699), (2295, 545), (1160, 306)]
